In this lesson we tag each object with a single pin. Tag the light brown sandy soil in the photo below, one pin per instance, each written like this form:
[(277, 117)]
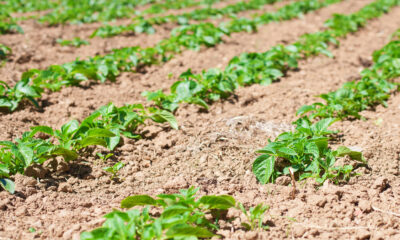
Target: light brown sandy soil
[(214, 150)]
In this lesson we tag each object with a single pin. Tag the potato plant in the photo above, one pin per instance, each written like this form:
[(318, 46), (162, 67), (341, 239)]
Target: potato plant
[(102, 128), (182, 216)]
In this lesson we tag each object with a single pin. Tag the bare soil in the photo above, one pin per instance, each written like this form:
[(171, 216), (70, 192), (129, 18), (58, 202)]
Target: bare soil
[(214, 150)]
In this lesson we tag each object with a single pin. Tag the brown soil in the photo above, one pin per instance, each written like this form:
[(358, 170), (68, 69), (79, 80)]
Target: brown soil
[(214, 150)]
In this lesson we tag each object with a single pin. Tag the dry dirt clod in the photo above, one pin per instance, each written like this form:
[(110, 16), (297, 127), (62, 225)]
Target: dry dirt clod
[(65, 187), (381, 184), (36, 171), (31, 182), (283, 180), (176, 183), (365, 206)]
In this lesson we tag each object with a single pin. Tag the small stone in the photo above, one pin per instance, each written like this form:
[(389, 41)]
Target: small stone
[(31, 182), (65, 187), (363, 234), (21, 211), (86, 204), (62, 167), (318, 201), (365, 206), (176, 183), (381, 184), (52, 188), (3, 204), (298, 231), (36, 171), (203, 159), (251, 235), (283, 180)]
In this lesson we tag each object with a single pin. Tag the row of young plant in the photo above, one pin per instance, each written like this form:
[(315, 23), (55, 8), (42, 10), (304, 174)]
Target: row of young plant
[(87, 11), (197, 89), (264, 68), (101, 68), (103, 128), (305, 150), (146, 25), (182, 216), (8, 24)]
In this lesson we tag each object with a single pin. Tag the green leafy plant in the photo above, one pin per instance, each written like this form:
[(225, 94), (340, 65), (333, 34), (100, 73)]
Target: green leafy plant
[(103, 128), (182, 217), (306, 151), (255, 216), (104, 157), (4, 51), (114, 169), (76, 42)]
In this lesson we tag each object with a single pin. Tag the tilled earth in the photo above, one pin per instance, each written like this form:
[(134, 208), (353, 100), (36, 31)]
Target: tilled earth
[(213, 150)]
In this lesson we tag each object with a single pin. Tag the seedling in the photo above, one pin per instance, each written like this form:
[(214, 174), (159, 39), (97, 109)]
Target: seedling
[(114, 169), (76, 42), (255, 217), (104, 157)]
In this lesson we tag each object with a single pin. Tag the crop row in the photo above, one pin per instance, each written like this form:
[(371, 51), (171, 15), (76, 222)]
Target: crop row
[(304, 151), (101, 68), (86, 11), (146, 25), (8, 24), (263, 68), (107, 10), (104, 126)]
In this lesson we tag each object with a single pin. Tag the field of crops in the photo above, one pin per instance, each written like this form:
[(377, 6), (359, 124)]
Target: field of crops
[(199, 119)]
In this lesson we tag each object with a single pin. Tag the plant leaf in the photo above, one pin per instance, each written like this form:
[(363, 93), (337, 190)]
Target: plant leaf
[(138, 200)]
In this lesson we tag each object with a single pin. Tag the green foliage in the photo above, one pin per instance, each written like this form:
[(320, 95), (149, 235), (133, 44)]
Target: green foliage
[(76, 42), (87, 11), (306, 151), (146, 25), (4, 52), (114, 169), (104, 157), (356, 96), (102, 128), (255, 216), (183, 216)]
